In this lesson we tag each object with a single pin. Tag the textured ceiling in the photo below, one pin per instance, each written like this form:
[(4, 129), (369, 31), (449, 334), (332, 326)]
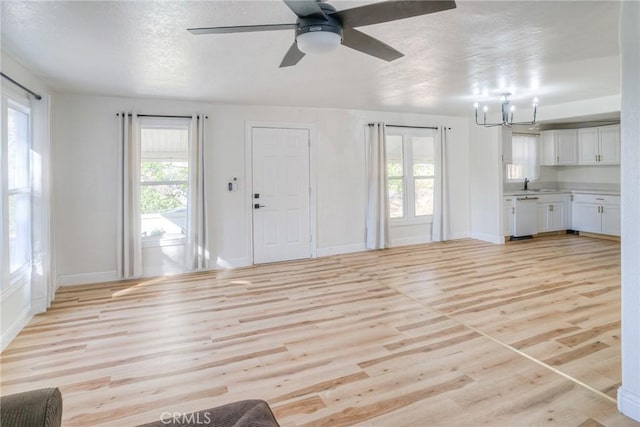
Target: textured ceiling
[(560, 51)]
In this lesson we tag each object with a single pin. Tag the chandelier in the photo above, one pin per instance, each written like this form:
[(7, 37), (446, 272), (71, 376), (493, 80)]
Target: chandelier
[(507, 113)]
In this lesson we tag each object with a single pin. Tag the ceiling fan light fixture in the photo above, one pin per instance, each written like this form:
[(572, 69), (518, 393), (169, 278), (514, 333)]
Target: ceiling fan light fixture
[(319, 41)]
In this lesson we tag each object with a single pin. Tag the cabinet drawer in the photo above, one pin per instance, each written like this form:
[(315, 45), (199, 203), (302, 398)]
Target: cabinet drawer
[(553, 198), (600, 199)]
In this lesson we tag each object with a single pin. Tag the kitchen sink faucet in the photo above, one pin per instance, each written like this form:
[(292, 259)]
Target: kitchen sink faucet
[(526, 184)]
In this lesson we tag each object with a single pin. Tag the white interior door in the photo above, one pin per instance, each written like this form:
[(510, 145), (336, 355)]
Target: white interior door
[(280, 163)]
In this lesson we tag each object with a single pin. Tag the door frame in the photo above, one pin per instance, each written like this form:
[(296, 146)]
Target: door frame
[(248, 191)]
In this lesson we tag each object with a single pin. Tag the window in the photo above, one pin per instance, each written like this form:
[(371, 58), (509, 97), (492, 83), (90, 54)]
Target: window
[(164, 179), (16, 152), (524, 163), (410, 174)]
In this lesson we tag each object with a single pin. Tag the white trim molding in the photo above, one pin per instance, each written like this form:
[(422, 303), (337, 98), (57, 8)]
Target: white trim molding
[(629, 404), (413, 240), (499, 240), (344, 249), (458, 236), (14, 329), (87, 278)]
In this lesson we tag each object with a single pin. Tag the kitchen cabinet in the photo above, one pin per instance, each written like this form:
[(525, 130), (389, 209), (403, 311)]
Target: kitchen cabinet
[(508, 212), (599, 145), (596, 213), (552, 213), (559, 147), (610, 215)]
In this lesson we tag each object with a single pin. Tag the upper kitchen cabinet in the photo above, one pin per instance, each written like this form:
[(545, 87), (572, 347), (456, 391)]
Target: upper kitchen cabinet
[(599, 145), (559, 147)]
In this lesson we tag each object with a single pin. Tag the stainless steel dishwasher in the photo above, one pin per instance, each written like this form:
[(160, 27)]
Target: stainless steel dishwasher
[(526, 216)]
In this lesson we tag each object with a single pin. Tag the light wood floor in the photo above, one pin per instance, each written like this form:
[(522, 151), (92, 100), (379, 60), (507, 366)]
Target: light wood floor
[(462, 333)]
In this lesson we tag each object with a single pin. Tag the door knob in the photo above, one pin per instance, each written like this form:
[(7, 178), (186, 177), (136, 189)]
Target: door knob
[(258, 206)]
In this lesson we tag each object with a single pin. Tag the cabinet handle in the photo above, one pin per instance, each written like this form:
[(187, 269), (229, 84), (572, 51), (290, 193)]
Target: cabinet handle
[(513, 210), (550, 208), (557, 159), (596, 157)]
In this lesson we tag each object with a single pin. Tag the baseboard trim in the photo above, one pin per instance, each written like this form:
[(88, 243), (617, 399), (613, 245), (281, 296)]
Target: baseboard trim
[(337, 250), (415, 240), (458, 236), (88, 278), (12, 331), (600, 236), (230, 263), (499, 240), (629, 404)]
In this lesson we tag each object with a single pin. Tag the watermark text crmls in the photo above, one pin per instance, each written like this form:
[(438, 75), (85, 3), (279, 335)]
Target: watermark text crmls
[(193, 418)]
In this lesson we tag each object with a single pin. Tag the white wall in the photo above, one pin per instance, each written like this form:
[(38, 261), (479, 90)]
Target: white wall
[(629, 392), (84, 133), (580, 176), (485, 183), (18, 304)]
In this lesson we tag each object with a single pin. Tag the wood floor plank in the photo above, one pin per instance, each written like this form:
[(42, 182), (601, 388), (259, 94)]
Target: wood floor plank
[(432, 334)]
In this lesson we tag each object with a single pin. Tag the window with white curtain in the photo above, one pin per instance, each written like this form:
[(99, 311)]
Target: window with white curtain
[(16, 192), (524, 163), (164, 180), (410, 173)]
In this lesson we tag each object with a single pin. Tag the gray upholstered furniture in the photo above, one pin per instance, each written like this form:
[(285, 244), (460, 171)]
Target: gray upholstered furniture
[(36, 408), (43, 408), (245, 413)]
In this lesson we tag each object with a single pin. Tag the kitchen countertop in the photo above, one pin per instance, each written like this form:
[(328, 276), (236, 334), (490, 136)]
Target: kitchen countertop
[(536, 192), (558, 191)]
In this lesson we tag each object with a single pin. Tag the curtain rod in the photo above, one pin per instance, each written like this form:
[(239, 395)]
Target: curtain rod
[(163, 116), (403, 126), (410, 127), (38, 97)]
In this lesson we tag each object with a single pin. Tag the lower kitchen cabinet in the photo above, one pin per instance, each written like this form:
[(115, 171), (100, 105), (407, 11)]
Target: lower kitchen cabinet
[(593, 213), (586, 217), (509, 211), (552, 215), (596, 213), (610, 220)]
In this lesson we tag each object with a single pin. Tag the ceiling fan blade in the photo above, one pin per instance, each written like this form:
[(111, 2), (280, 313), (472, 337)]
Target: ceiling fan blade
[(293, 56), (390, 11), (306, 9), (241, 29), (366, 44)]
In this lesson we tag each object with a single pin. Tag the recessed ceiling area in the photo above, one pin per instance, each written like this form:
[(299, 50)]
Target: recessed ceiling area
[(561, 51)]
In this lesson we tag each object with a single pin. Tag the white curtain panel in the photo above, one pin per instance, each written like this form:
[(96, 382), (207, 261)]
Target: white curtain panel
[(129, 249), (196, 250), (441, 216), (377, 215)]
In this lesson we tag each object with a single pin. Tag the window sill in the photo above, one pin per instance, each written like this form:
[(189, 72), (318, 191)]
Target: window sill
[(409, 222), (152, 242)]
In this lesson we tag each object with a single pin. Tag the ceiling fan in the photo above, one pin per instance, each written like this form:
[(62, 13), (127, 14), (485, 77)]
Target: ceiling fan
[(320, 28)]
